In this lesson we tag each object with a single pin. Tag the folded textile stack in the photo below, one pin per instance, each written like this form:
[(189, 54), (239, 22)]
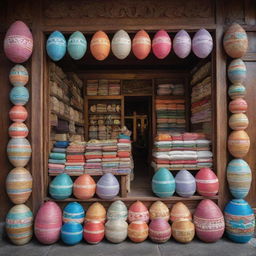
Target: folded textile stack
[(114, 87), (178, 89), (110, 160), (164, 89), (102, 135), (93, 132), (103, 87), (92, 87)]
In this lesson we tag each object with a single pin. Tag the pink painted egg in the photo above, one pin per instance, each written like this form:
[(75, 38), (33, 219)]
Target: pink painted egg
[(138, 212), (238, 106), (182, 44), (18, 42), (18, 114), (180, 212), (159, 231), (161, 44), (100, 45), (209, 221), (141, 45), (159, 210), (138, 231), (18, 130), (93, 232)]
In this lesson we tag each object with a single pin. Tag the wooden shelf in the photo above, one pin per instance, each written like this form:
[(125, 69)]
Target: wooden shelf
[(92, 174), (66, 118), (105, 113), (170, 97), (107, 97), (188, 169), (76, 107)]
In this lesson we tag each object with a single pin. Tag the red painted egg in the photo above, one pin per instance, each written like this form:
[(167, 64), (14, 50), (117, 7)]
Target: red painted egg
[(18, 114), (238, 106), (84, 187), (100, 45), (161, 44), (141, 45), (159, 210), (18, 130), (159, 231), (93, 232), (138, 231), (138, 212), (180, 212), (96, 212)]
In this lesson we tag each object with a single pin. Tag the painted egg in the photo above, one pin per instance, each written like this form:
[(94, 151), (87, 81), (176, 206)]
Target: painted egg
[(239, 220), (185, 183), (238, 122), (159, 231), (73, 212), (138, 231), (116, 230), (19, 95), (56, 46), (18, 130), (71, 233), (238, 144), (159, 210), (163, 183), (237, 71), (141, 45), (238, 106), (19, 152), (235, 41), (138, 212), (61, 187), (107, 187), (183, 231), (161, 44), (121, 44), (77, 45), (18, 42), (19, 224), (180, 212), (19, 185), (100, 45), (96, 212), (236, 91), (93, 232), (239, 178), (182, 44), (18, 75), (207, 183), (209, 221), (18, 114), (202, 43), (84, 187), (117, 211)]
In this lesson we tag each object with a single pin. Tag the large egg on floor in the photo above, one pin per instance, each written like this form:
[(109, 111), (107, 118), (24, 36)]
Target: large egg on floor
[(180, 212), (236, 91), (121, 44), (18, 42), (61, 187), (138, 231), (48, 223), (116, 230), (19, 224), (183, 231), (73, 212), (18, 130), (141, 45), (209, 221), (138, 212), (84, 187), (159, 231), (93, 232), (237, 71), (18, 75), (185, 183), (182, 44), (117, 211), (19, 95), (238, 122), (161, 44), (56, 46), (18, 114), (237, 106), (159, 210), (96, 212), (163, 183), (71, 233)]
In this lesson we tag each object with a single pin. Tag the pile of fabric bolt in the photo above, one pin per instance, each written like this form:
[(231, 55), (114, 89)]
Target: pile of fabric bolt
[(164, 89), (110, 160), (92, 87), (124, 152), (114, 87), (178, 89), (103, 87)]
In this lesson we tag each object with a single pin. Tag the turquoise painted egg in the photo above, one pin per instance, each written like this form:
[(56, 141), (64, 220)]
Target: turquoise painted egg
[(73, 212), (240, 221), (236, 91), (61, 187), (56, 46), (18, 75), (163, 183), (237, 71), (117, 211), (71, 233), (77, 45), (19, 95)]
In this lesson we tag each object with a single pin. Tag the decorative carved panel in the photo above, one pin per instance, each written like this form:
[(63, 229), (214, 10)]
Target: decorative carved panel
[(234, 11)]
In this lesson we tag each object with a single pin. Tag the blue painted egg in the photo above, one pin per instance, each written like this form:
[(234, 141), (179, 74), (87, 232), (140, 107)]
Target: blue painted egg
[(61, 187), (240, 221), (163, 183), (56, 46), (71, 233), (19, 95), (185, 183), (73, 212), (77, 45)]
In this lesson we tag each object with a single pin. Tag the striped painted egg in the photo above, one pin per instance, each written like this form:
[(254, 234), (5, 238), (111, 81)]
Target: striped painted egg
[(236, 91), (77, 45), (18, 130), (161, 44), (238, 106), (207, 183), (141, 45), (18, 114), (73, 212), (182, 44), (19, 95), (237, 71), (18, 75), (108, 186), (239, 178), (18, 42), (180, 212), (159, 231), (48, 223), (235, 41), (163, 183), (96, 212), (209, 221), (183, 231), (238, 144), (84, 187), (19, 152), (19, 224), (159, 210), (116, 230), (56, 46), (185, 183), (61, 187), (117, 211), (71, 233), (19, 185), (138, 212), (93, 232), (238, 122), (138, 231), (239, 220)]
